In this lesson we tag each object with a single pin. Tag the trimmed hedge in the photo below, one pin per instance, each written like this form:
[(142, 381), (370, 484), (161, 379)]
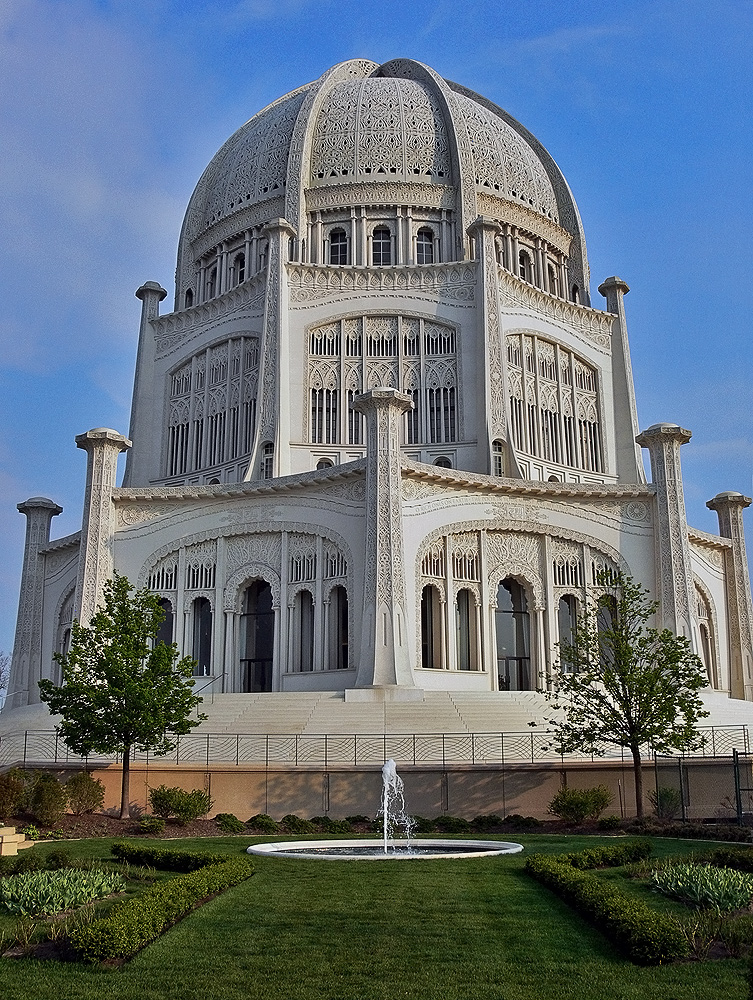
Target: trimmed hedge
[(168, 859), (646, 936), (134, 923), (739, 858)]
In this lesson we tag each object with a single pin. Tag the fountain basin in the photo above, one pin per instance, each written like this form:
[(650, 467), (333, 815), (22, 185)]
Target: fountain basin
[(373, 850)]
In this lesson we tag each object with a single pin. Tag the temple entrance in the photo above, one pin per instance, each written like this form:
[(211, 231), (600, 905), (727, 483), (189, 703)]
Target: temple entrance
[(257, 638), (513, 629)]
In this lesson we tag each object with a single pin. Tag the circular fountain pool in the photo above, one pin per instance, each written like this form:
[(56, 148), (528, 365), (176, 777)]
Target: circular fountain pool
[(373, 850)]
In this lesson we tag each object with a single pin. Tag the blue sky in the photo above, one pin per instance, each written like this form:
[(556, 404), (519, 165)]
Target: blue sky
[(109, 112)]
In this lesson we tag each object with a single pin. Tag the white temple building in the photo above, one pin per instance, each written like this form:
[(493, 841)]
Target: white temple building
[(383, 443)]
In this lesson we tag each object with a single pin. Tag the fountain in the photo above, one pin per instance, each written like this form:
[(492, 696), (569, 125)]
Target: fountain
[(393, 816)]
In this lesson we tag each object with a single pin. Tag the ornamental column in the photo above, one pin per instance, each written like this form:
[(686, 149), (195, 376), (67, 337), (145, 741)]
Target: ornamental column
[(674, 573), (729, 509), (384, 659), (95, 562), (26, 665)]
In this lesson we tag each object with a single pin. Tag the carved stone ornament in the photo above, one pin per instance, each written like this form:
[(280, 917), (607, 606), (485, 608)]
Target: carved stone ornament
[(313, 283)]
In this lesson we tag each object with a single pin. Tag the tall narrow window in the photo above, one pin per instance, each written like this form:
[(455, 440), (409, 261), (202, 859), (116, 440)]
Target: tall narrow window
[(498, 458), (338, 629), (552, 276), (465, 630), (189, 298), (425, 247), (381, 247), (239, 268), (257, 637), (202, 636), (212, 283), (566, 621), (338, 247), (575, 295), (606, 622), (431, 626), (513, 637), (303, 631), (266, 469), (524, 266), (165, 630)]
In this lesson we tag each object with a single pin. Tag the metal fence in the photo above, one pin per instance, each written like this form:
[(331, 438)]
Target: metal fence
[(34, 748)]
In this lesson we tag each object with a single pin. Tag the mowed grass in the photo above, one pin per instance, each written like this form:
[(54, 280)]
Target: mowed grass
[(477, 929)]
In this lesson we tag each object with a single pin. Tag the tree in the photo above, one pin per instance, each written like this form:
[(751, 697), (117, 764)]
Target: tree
[(120, 692), (624, 683)]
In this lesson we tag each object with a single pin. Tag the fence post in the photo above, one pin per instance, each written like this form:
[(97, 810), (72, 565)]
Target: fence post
[(473, 748), (237, 747), (207, 749), (682, 792), (26, 737), (326, 751), (414, 749), (738, 790)]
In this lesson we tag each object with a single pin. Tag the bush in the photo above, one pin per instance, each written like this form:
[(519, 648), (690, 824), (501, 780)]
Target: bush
[(48, 800), (57, 859), (421, 825), (166, 858), (609, 823), (176, 802), (646, 937), (729, 857), (325, 824), (294, 824), (452, 824), (229, 823), (666, 802), (522, 822), (85, 793), (483, 824), (151, 824), (573, 805), (133, 923), (358, 820), (11, 793), (263, 823)]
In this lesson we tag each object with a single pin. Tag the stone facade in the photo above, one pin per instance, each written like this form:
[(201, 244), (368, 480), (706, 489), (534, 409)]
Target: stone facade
[(383, 443)]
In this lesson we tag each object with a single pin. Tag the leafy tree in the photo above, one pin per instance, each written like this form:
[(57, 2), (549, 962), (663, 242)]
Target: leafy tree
[(622, 682), (119, 691)]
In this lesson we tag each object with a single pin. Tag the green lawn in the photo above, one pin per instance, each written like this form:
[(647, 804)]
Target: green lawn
[(427, 930)]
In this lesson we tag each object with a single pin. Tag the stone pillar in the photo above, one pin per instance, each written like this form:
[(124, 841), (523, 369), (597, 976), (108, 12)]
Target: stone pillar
[(729, 509), (143, 463), (95, 562), (674, 571), (26, 665), (384, 659)]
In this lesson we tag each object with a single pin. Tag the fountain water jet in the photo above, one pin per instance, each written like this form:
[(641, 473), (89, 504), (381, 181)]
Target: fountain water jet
[(393, 815)]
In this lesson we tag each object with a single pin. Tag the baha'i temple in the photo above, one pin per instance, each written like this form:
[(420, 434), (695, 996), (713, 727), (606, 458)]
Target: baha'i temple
[(383, 443)]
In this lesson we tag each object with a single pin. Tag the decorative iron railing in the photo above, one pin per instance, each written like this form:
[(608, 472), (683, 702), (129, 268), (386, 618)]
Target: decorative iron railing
[(37, 748)]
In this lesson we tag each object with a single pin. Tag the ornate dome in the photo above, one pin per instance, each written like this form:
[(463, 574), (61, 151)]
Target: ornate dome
[(362, 124)]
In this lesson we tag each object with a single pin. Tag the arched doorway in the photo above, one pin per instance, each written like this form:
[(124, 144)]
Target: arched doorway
[(513, 631), (257, 637)]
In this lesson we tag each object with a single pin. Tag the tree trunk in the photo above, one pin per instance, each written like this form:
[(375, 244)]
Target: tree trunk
[(125, 788), (638, 773)]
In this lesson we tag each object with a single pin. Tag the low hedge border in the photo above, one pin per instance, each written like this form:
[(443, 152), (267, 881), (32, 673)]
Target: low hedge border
[(646, 936), (166, 858), (134, 923)]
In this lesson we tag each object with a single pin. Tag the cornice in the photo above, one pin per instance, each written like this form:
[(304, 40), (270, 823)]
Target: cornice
[(707, 539), (379, 194), (313, 282), (68, 541)]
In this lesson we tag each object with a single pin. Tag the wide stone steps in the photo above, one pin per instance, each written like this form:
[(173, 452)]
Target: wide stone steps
[(11, 842)]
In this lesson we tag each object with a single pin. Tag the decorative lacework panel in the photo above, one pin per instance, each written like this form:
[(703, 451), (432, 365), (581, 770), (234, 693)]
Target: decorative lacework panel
[(164, 576), (201, 566), (212, 410), (253, 163), (554, 411), (353, 355), (505, 163), (379, 128)]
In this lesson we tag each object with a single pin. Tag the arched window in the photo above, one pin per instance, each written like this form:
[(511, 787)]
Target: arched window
[(324, 463), (212, 284), (257, 637), (239, 268), (524, 266), (443, 462), (381, 247), (513, 637), (202, 636), (303, 631), (606, 622), (431, 629), (552, 275), (425, 246), (165, 631), (266, 469), (706, 633), (338, 246), (566, 621), (465, 631), (337, 629), (498, 458), (575, 294), (188, 299)]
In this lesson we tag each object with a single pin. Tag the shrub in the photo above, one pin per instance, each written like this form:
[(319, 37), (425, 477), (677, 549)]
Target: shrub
[(522, 822), (48, 800), (666, 802), (705, 886), (485, 823), (229, 823), (646, 937), (11, 793), (133, 923), (47, 892), (326, 824), (358, 820), (167, 858), (57, 859), (294, 824), (420, 825), (730, 857), (151, 824), (452, 824), (263, 823), (176, 802), (85, 793), (573, 805), (609, 823)]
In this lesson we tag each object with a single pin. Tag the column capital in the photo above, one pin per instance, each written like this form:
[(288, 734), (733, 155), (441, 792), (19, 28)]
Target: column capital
[(149, 290), (100, 436), (382, 396), (728, 499), (659, 433), (279, 225), (484, 222), (39, 503)]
